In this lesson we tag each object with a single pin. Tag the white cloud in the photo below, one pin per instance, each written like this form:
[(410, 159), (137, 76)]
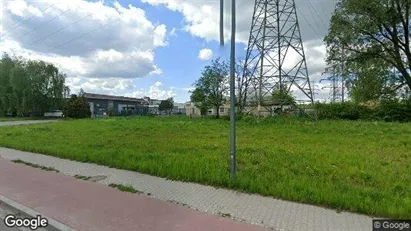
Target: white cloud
[(205, 54), (114, 86), (155, 92), (173, 32), (88, 39)]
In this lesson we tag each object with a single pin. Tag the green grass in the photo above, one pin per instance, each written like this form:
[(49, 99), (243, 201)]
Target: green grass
[(356, 166), (124, 188), (36, 166)]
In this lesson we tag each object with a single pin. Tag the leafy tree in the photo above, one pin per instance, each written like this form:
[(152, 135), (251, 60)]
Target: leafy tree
[(77, 107), (30, 87), (373, 84), (212, 87), (166, 105), (200, 100), (367, 31), (282, 97)]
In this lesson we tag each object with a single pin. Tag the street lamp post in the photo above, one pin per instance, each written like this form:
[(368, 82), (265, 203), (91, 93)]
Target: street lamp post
[(233, 167), (232, 91)]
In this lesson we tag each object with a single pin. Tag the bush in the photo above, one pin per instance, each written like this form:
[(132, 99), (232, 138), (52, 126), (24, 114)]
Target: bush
[(345, 111), (110, 111), (394, 110), (77, 107), (387, 110)]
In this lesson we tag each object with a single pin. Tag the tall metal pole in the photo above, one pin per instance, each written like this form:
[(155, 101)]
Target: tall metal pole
[(221, 22), (232, 91)]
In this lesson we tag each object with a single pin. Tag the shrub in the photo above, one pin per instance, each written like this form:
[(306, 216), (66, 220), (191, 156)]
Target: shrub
[(394, 110), (387, 110), (345, 111), (110, 111), (77, 107)]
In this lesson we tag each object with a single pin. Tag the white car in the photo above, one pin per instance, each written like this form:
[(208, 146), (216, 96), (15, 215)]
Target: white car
[(55, 114)]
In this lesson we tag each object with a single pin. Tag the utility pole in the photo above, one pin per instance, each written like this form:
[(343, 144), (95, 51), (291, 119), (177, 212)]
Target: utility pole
[(221, 22), (233, 167), (232, 91)]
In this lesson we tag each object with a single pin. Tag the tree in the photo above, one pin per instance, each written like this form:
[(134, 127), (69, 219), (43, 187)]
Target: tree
[(77, 107), (367, 31), (212, 87), (200, 100), (166, 105), (30, 87), (282, 97), (373, 83)]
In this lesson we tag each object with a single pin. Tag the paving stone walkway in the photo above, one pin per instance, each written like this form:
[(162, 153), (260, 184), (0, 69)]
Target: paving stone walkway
[(253, 209)]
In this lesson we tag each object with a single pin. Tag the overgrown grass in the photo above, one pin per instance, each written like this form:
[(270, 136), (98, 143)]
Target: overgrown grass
[(124, 188), (50, 169), (357, 166)]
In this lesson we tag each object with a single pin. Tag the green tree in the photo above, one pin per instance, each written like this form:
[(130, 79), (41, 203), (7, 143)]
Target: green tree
[(77, 107), (199, 98), (282, 97), (166, 105), (212, 87), (373, 83), (371, 31), (30, 87)]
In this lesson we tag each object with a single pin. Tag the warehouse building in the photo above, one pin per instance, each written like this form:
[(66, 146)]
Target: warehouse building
[(101, 105)]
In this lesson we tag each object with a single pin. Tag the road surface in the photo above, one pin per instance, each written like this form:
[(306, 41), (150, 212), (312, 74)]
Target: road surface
[(23, 122)]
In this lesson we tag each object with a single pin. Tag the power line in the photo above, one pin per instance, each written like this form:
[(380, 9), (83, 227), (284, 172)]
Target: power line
[(62, 28), (309, 24), (46, 23), (82, 35), (26, 20), (315, 11)]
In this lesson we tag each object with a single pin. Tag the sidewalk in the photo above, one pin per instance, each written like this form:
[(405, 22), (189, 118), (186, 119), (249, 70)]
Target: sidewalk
[(86, 205), (253, 209)]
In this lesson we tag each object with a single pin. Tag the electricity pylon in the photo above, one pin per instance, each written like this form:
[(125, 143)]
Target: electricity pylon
[(336, 87), (275, 59)]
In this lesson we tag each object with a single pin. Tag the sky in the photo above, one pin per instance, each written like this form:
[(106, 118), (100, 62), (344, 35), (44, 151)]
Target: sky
[(154, 48)]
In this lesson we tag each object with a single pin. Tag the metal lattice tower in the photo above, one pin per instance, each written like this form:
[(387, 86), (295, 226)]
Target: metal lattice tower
[(275, 42), (336, 87)]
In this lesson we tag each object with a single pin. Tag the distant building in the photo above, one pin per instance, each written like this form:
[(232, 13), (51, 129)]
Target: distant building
[(179, 109), (101, 105), (193, 111)]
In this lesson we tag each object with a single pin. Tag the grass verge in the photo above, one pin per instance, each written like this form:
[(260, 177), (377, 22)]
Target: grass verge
[(50, 169), (349, 166)]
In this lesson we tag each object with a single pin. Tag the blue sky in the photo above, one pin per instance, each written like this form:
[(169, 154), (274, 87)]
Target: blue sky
[(151, 49)]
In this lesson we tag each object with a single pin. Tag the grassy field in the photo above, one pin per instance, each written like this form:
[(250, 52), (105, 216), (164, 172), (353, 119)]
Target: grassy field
[(356, 166)]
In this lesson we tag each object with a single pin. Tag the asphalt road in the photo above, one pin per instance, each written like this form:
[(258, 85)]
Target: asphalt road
[(23, 122)]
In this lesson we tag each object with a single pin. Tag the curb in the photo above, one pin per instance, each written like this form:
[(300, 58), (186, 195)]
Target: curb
[(22, 211)]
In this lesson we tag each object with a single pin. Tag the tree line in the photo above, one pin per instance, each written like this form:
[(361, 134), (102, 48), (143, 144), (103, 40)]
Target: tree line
[(30, 88)]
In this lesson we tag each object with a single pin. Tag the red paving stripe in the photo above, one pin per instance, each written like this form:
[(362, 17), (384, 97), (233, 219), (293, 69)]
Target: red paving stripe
[(86, 205)]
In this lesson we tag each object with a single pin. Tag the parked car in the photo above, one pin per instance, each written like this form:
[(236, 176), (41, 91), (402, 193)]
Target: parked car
[(54, 114)]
